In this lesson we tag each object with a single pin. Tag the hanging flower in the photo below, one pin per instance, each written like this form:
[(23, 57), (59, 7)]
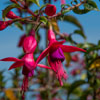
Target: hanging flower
[(31, 33), (29, 45), (4, 24), (50, 10), (55, 55), (12, 15)]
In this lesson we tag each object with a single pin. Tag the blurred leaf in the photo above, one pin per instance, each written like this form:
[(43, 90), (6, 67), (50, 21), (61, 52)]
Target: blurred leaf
[(10, 94), (28, 28), (7, 9), (83, 76), (78, 91), (74, 85), (91, 5), (80, 32), (66, 86), (72, 20), (80, 11), (43, 19), (65, 11), (55, 25), (19, 25), (85, 94), (99, 42), (35, 1), (85, 45), (68, 58), (95, 64), (64, 5)]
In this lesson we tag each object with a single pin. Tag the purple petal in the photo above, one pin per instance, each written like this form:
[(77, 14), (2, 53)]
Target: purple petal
[(57, 55)]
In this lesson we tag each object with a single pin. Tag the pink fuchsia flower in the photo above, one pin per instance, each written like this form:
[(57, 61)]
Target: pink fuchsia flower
[(4, 24), (62, 2), (56, 56), (50, 10), (28, 67), (29, 44), (27, 61), (11, 15), (20, 43)]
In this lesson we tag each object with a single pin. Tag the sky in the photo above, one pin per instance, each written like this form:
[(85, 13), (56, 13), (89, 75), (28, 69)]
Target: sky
[(10, 36)]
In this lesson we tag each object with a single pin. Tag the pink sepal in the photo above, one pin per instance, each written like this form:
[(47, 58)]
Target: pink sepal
[(16, 65), (67, 48), (10, 59)]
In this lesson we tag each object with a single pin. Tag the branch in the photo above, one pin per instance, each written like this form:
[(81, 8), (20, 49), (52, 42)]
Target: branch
[(69, 8)]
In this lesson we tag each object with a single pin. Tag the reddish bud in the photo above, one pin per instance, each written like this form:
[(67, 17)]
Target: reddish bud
[(21, 40), (51, 35), (4, 24), (50, 10), (11, 15), (29, 44), (14, 1)]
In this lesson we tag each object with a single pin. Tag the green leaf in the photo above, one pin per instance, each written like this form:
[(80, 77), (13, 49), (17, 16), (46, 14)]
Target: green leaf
[(19, 25), (7, 9), (91, 5), (72, 20), (74, 85), (85, 94), (80, 32), (43, 20), (35, 1), (80, 11), (64, 5), (65, 11)]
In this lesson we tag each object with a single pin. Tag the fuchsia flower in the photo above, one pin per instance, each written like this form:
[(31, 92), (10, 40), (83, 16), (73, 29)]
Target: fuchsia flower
[(50, 10), (55, 55), (11, 15), (28, 63), (20, 43), (4, 24)]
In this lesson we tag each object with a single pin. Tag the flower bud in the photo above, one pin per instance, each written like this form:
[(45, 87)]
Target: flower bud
[(14, 1), (11, 15), (29, 44), (4, 24), (51, 35), (50, 10)]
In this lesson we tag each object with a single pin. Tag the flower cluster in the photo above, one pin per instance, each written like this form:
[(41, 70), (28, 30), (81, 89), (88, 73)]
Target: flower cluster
[(54, 51)]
